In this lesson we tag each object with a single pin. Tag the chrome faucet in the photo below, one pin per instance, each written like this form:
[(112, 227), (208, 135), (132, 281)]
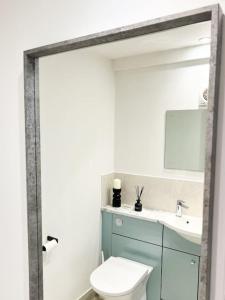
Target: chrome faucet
[(180, 205)]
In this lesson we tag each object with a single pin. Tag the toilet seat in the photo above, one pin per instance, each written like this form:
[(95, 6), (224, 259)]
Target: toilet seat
[(118, 276)]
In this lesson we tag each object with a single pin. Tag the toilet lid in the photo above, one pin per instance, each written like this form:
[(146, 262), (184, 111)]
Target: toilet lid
[(118, 276)]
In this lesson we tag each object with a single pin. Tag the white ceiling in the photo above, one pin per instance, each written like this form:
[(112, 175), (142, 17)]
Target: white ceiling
[(180, 37)]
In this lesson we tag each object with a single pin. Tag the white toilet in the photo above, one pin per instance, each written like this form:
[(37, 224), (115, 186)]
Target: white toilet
[(121, 279)]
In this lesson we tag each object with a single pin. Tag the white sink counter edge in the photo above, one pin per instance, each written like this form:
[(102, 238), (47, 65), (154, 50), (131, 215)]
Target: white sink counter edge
[(165, 218)]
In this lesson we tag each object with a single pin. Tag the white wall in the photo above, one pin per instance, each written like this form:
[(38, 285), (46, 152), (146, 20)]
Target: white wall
[(77, 133), (26, 24), (143, 95)]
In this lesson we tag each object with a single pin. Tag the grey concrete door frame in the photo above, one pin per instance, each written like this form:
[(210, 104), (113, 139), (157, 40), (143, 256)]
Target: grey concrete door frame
[(32, 119)]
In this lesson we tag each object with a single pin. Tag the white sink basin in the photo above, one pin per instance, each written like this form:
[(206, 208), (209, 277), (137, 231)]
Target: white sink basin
[(188, 227)]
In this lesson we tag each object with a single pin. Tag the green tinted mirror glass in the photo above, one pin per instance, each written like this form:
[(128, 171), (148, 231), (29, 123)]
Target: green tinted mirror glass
[(185, 139)]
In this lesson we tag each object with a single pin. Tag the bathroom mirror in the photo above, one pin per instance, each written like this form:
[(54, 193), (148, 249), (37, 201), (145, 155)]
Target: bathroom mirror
[(185, 139), (124, 104)]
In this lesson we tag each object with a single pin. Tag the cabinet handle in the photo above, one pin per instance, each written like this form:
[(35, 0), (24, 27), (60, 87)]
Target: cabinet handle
[(193, 262)]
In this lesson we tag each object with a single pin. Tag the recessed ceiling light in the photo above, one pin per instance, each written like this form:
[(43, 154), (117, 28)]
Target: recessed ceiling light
[(204, 40)]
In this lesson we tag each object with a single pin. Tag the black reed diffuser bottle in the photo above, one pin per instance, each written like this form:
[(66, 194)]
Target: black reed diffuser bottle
[(116, 193), (138, 204)]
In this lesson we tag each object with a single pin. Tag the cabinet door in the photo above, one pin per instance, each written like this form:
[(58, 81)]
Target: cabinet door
[(142, 230), (179, 275), (144, 253)]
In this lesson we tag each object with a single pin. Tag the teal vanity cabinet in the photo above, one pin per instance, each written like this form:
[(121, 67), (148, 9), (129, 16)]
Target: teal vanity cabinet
[(180, 267), (179, 275), (140, 241), (137, 240), (175, 260)]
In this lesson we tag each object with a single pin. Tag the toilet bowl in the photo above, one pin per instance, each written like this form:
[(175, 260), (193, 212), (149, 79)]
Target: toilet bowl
[(121, 279)]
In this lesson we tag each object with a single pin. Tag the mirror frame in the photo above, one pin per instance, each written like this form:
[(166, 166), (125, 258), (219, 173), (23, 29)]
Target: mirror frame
[(211, 13)]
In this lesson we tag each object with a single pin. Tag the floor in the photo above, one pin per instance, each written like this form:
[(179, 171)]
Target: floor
[(96, 297)]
